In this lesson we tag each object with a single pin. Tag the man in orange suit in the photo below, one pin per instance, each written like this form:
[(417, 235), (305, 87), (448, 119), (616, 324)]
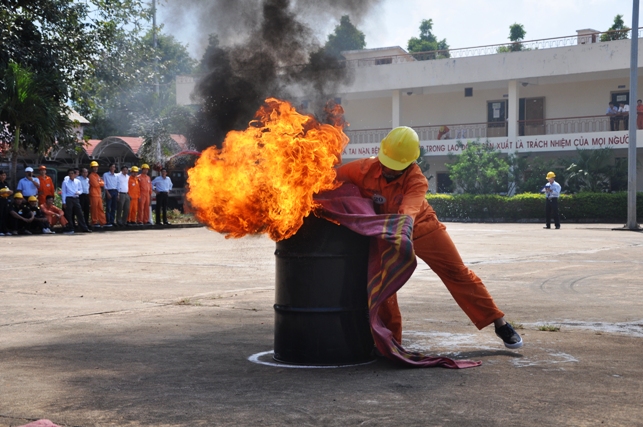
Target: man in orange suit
[(96, 185), (145, 183), (54, 214), (395, 183), (46, 185), (134, 191)]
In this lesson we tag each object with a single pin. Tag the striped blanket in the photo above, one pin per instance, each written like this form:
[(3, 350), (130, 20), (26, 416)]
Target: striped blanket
[(391, 263)]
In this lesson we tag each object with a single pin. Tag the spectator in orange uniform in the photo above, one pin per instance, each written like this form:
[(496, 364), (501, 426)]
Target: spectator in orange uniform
[(396, 185), (53, 213), (145, 183), (46, 185), (134, 191), (96, 185), (639, 114)]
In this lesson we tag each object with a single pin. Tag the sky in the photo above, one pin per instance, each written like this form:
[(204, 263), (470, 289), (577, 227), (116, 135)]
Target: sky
[(464, 23)]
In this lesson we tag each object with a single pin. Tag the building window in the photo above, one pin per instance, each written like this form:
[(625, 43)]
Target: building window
[(383, 61), (444, 184), (468, 91)]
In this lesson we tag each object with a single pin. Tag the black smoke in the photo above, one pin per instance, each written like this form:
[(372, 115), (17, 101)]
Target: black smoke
[(267, 50)]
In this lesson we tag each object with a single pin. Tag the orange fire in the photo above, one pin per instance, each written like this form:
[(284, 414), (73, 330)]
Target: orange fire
[(264, 178)]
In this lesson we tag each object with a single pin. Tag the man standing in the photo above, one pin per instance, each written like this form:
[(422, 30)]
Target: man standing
[(162, 186), (70, 193), (612, 112), (145, 183), (95, 196), (46, 185), (111, 194), (84, 195), (552, 193), (134, 191), (624, 114), (122, 208), (53, 213), (29, 185), (396, 185)]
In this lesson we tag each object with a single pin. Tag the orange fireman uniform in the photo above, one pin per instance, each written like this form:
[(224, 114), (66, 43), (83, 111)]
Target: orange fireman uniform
[(54, 215), (145, 184), (95, 199), (134, 191), (431, 242), (46, 189)]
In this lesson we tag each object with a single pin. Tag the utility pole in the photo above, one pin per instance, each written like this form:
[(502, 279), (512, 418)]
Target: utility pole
[(631, 154)]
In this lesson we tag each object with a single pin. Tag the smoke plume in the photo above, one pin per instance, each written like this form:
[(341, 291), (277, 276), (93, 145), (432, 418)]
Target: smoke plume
[(266, 50)]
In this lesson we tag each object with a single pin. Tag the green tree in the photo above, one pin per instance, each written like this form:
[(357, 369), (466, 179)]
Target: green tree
[(345, 37), (479, 169), (35, 119), (424, 165), (618, 30), (428, 44), (591, 171), (516, 35), (527, 174)]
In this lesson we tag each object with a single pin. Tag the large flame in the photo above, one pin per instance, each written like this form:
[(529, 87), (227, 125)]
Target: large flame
[(264, 178)]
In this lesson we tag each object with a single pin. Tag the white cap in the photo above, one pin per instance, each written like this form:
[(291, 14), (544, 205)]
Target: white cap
[(29, 169)]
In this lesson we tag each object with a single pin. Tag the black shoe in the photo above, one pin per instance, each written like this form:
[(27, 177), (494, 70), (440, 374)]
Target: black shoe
[(87, 230), (166, 223), (557, 228), (546, 228), (510, 337), (27, 232)]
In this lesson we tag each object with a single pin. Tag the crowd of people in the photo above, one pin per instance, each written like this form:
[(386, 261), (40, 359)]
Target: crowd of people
[(30, 208)]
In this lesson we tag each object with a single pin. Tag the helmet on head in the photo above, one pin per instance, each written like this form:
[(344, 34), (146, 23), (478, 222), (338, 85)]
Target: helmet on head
[(145, 166), (32, 199), (42, 167), (134, 168), (551, 175), (93, 164), (18, 196), (399, 148), (29, 169)]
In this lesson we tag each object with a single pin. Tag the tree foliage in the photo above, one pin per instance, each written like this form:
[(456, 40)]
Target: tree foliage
[(516, 35), (480, 169), (428, 42), (618, 30), (345, 37), (592, 171)]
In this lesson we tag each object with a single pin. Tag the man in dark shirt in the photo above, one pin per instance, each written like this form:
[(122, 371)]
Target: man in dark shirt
[(40, 223), (20, 216), (5, 193)]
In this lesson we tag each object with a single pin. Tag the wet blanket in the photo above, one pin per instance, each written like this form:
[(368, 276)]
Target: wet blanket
[(391, 263)]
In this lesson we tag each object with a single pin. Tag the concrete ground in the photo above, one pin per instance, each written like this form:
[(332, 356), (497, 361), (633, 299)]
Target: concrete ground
[(155, 328)]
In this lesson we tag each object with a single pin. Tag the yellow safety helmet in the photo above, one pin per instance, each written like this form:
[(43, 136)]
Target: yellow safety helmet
[(551, 175), (399, 148), (18, 196), (93, 164), (32, 199), (134, 168), (145, 166)]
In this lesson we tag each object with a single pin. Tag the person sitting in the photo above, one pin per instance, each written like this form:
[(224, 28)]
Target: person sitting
[(19, 216), (53, 213), (39, 224)]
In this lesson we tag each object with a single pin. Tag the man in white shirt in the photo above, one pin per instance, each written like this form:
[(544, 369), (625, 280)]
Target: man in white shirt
[(70, 192), (624, 114), (84, 195), (162, 186), (552, 193), (111, 195), (122, 207)]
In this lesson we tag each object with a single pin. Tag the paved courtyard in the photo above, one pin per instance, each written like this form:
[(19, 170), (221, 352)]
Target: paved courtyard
[(156, 328)]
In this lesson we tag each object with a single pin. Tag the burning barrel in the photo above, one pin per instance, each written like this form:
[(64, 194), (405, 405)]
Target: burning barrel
[(321, 308)]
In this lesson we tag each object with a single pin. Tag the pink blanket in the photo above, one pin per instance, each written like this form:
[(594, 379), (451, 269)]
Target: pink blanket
[(391, 263)]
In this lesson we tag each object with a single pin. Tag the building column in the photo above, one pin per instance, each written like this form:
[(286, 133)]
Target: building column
[(512, 110), (395, 120)]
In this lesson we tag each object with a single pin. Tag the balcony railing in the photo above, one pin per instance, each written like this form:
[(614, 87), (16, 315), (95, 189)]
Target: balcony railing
[(470, 131), (548, 43)]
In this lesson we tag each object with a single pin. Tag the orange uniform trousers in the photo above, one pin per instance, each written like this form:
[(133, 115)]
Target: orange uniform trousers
[(133, 209), (437, 250), (96, 209), (51, 217), (144, 208)]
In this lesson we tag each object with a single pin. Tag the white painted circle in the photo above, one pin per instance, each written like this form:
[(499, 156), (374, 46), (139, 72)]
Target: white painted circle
[(255, 358)]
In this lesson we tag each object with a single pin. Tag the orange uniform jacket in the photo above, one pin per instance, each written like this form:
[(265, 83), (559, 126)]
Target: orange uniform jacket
[(46, 189), (134, 191), (95, 199), (145, 183), (431, 242)]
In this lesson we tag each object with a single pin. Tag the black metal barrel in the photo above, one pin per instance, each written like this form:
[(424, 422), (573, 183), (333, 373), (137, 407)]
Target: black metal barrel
[(321, 308)]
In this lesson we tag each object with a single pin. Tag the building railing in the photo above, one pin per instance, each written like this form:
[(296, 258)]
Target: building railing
[(471, 131), (548, 43)]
